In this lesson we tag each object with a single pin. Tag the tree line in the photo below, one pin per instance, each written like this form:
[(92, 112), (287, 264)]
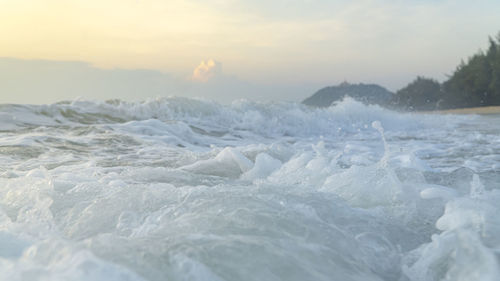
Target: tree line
[(472, 84)]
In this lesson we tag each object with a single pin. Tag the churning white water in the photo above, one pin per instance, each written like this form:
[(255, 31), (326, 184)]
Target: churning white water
[(181, 189)]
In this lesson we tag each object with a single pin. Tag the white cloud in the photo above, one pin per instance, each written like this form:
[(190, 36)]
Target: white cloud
[(206, 70), (48, 81)]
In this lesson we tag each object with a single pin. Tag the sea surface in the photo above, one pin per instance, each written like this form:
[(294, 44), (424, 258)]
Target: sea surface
[(186, 189)]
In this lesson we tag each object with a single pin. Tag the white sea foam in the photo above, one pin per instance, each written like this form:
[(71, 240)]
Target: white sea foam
[(181, 189)]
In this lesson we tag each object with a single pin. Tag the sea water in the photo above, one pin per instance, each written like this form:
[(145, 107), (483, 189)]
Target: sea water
[(184, 189)]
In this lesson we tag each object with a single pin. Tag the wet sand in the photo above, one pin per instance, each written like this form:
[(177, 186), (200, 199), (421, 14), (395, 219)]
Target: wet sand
[(471, 110)]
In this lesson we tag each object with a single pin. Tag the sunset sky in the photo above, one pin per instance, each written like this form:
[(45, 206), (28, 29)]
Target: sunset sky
[(294, 44)]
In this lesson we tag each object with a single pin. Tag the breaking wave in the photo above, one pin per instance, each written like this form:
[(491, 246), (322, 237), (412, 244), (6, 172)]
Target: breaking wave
[(183, 189)]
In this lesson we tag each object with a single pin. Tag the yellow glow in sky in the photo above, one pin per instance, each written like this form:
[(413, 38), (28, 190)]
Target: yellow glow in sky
[(295, 40), (112, 33)]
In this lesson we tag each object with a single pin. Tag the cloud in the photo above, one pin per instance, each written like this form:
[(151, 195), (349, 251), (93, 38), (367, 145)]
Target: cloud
[(206, 70), (48, 81)]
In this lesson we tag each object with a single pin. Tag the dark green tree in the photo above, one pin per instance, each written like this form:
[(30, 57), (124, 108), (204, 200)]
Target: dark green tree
[(493, 56), (476, 83), (421, 94)]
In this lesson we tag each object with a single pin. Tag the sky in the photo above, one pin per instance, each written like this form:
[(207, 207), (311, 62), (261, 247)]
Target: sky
[(230, 49)]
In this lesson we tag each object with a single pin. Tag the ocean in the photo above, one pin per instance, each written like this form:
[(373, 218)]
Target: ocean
[(189, 189)]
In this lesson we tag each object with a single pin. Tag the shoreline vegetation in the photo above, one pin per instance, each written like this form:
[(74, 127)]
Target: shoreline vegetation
[(473, 85)]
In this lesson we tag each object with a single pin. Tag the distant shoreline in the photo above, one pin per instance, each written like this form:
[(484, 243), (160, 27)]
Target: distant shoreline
[(469, 110)]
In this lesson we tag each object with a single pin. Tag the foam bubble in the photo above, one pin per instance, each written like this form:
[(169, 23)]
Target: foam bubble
[(182, 189)]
